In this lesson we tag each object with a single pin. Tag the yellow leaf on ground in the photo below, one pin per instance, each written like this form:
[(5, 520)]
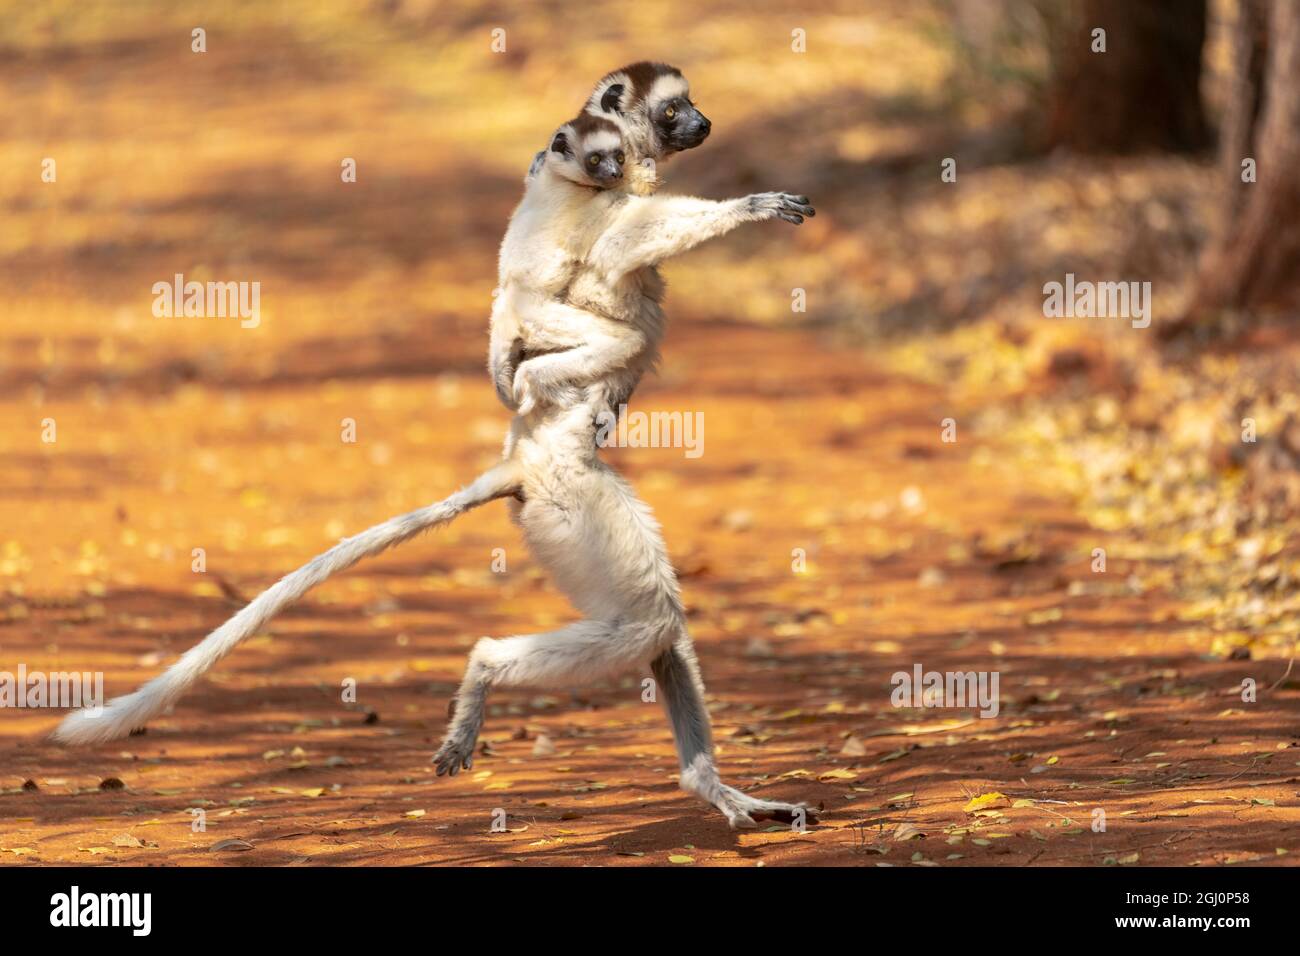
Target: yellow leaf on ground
[(986, 800), (839, 773)]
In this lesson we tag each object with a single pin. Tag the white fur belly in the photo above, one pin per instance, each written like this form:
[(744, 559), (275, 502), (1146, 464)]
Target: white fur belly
[(585, 525)]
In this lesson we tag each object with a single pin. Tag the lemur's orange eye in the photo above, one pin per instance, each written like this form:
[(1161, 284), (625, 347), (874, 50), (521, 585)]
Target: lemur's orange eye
[(593, 159), (619, 158), (670, 113)]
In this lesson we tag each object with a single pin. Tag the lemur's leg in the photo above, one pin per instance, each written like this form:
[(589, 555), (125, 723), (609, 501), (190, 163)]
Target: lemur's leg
[(573, 507), (579, 348), (579, 654), (649, 229), (677, 674), (603, 548)]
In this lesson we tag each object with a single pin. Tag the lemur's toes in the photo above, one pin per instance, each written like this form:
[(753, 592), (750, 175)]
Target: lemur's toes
[(451, 760)]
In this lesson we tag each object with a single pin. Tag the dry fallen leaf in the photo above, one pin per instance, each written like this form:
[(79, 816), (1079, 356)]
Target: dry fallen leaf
[(986, 801), (853, 748), (839, 773), (238, 846), (906, 831)]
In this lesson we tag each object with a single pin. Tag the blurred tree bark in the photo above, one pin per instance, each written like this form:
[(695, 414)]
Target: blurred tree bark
[(1143, 92), (1253, 259)]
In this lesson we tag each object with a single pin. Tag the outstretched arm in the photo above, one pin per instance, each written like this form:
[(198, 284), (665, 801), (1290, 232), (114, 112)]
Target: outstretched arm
[(649, 229)]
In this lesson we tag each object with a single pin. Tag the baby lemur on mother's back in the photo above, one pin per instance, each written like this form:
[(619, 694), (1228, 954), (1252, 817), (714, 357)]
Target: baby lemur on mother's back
[(583, 235)]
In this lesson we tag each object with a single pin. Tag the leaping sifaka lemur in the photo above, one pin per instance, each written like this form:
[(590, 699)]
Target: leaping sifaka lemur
[(581, 221)]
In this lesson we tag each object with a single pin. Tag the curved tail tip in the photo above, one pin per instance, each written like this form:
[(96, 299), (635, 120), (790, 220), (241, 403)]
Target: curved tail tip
[(90, 726)]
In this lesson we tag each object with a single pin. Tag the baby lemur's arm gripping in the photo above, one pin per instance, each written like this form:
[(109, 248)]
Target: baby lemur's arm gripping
[(580, 348), (649, 229), (503, 363)]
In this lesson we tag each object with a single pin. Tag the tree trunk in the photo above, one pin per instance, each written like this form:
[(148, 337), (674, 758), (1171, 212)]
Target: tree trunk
[(1249, 52), (1143, 93), (1253, 261)]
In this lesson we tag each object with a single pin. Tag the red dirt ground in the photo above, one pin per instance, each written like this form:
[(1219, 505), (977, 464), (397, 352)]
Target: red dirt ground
[(917, 551), (182, 434)]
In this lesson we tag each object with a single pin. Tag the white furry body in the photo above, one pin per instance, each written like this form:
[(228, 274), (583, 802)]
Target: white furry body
[(567, 336), (581, 520)]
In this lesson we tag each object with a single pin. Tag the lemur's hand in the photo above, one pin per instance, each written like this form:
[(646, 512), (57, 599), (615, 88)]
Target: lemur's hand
[(524, 392), (785, 206), (502, 379), (533, 387), (501, 365)]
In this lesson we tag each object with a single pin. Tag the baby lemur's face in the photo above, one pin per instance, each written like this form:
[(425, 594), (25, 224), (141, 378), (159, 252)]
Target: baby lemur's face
[(588, 150)]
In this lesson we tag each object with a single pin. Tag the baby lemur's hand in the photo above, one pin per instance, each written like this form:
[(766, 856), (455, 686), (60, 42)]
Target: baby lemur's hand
[(785, 206), (501, 366), (524, 392), (534, 388)]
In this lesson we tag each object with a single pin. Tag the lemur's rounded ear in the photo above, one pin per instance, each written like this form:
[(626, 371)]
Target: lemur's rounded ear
[(560, 144), (609, 100)]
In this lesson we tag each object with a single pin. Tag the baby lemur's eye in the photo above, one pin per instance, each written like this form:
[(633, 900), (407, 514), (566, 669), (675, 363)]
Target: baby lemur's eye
[(619, 158), (670, 113), (593, 159)]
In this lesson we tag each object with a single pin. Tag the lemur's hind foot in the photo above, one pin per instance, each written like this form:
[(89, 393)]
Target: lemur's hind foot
[(744, 812), (466, 712), (455, 754)]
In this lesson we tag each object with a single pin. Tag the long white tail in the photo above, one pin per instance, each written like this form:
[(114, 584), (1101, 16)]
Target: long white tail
[(125, 714)]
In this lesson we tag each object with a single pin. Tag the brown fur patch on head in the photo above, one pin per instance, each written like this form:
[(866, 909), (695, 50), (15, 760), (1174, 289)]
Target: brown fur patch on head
[(622, 90), (641, 76), (585, 124)]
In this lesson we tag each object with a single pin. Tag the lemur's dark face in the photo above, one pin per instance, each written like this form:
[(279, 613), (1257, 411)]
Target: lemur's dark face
[(654, 99), (604, 165), (678, 124)]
